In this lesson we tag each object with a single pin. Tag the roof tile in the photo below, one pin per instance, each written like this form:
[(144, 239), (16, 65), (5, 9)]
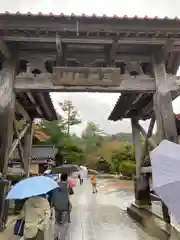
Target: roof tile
[(104, 16)]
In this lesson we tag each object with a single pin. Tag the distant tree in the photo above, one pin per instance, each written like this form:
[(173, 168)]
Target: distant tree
[(124, 154), (72, 151), (68, 149), (92, 130), (93, 137), (72, 117), (55, 130), (122, 137), (128, 168)]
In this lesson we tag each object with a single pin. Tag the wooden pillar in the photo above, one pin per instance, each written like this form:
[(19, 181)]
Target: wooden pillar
[(141, 183), (165, 120), (7, 112), (27, 149)]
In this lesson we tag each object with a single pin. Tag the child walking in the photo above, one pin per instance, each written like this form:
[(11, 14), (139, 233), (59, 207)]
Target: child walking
[(94, 182)]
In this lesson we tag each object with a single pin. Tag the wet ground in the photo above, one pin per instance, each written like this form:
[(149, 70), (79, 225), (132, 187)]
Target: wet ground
[(102, 215)]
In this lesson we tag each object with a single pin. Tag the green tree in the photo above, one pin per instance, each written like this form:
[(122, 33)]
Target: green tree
[(72, 117), (72, 151), (68, 149), (93, 137), (92, 130), (122, 158), (128, 168), (55, 130)]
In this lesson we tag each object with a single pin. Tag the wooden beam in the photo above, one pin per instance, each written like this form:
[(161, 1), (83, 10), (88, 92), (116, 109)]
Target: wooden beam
[(137, 146), (143, 132), (32, 53), (148, 136), (19, 145), (155, 197), (113, 52), (96, 40), (16, 141), (28, 137), (44, 82), (20, 109), (35, 23), (146, 169)]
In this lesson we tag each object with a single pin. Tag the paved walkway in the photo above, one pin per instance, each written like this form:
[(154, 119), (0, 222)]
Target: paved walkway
[(98, 216), (8, 233)]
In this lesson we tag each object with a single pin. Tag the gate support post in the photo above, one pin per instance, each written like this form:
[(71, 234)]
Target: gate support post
[(165, 119), (142, 196), (7, 112)]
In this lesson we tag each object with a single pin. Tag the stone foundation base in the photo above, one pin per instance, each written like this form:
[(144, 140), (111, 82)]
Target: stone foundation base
[(153, 224)]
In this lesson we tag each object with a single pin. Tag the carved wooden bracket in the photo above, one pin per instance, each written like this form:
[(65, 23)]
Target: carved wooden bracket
[(134, 68)]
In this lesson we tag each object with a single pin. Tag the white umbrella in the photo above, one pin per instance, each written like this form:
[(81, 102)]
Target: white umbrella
[(165, 161)]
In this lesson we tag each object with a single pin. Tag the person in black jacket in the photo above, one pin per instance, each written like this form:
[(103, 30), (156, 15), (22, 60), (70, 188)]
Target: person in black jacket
[(60, 198)]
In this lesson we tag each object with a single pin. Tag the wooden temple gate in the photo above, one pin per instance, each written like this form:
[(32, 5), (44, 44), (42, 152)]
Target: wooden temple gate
[(136, 57)]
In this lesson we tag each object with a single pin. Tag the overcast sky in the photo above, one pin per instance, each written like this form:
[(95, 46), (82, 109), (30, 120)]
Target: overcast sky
[(97, 107)]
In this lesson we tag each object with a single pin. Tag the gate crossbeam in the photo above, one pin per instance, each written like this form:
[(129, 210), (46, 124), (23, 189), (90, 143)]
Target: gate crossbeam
[(124, 83)]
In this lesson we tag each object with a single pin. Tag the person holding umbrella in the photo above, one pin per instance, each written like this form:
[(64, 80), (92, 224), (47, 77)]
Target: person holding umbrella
[(35, 215)]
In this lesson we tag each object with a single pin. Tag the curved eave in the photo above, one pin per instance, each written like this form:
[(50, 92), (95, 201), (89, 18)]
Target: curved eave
[(37, 105), (139, 105), (131, 105)]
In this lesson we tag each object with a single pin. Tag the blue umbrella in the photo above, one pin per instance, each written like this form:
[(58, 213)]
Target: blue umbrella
[(32, 186)]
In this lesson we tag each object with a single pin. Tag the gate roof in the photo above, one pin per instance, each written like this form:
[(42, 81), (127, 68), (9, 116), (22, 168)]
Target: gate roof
[(89, 35)]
